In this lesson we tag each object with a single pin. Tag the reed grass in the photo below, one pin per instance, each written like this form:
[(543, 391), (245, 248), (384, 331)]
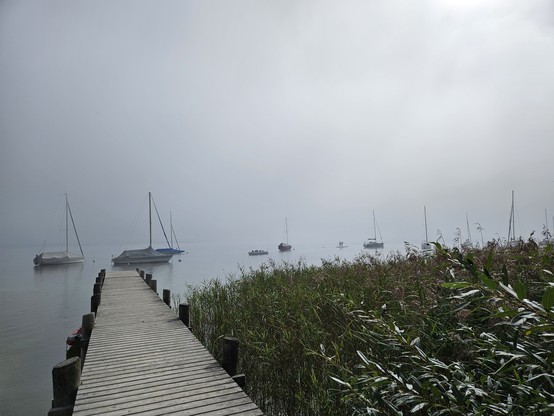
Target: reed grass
[(455, 332)]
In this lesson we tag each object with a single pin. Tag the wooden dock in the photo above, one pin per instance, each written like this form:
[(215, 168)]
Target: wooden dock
[(142, 360)]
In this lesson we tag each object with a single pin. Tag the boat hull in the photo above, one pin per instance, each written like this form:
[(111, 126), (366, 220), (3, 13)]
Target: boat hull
[(257, 252), (284, 247), (145, 255), (169, 251), (54, 258), (373, 244)]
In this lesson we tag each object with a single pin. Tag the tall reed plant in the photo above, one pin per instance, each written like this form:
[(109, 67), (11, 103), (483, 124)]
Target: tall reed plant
[(386, 335)]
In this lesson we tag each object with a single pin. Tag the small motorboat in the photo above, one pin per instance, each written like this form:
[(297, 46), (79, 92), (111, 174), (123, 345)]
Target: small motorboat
[(257, 252)]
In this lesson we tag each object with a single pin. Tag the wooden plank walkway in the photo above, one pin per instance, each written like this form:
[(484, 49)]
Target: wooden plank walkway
[(142, 360)]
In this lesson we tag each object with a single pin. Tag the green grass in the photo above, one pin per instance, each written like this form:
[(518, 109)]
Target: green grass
[(451, 333)]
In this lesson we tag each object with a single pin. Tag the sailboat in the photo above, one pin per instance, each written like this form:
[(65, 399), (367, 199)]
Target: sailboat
[(285, 246), (62, 257), (170, 249), (372, 241), (426, 245), (469, 242), (145, 255), (512, 241)]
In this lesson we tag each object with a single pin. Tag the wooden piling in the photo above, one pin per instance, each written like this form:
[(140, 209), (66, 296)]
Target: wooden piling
[(95, 302), (66, 378), (154, 285), (230, 355), (184, 314), (87, 325), (148, 278), (167, 297), (97, 288), (141, 274), (240, 379)]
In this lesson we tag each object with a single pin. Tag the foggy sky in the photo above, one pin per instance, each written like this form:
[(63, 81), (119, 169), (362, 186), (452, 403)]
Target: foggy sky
[(237, 114)]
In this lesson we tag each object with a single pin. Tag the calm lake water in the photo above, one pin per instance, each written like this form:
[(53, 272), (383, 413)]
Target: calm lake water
[(40, 306)]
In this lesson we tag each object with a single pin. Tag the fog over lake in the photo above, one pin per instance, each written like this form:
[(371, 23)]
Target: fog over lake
[(237, 114)]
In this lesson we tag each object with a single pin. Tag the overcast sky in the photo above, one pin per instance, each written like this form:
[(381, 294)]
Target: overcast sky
[(237, 114)]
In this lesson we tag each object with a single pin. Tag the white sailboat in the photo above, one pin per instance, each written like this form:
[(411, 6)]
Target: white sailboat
[(469, 242), (285, 246), (372, 242), (426, 245), (145, 255), (62, 257), (512, 241)]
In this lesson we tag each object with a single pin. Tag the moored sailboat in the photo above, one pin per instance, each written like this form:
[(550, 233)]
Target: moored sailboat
[(46, 258), (426, 245), (372, 242), (285, 246), (512, 241), (170, 249), (145, 255)]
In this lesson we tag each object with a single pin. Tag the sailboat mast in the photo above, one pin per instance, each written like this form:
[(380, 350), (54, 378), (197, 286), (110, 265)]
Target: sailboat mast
[(510, 224), (468, 230), (150, 217), (75, 229), (170, 229), (425, 215), (546, 223), (286, 231), (66, 225), (513, 217), (374, 227)]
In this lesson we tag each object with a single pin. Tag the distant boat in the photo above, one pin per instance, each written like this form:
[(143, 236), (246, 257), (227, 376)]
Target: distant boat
[(257, 252), (170, 249), (469, 242), (426, 245), (372, 242), (512, 241), (145, 255), (341, 245), (62, 257), (285, 246)]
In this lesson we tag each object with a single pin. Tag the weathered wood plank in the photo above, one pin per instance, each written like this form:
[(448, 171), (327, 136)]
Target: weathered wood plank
[(141, 359)]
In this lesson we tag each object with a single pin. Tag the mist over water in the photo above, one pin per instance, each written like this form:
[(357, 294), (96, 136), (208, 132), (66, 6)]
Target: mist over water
[(237, 115)]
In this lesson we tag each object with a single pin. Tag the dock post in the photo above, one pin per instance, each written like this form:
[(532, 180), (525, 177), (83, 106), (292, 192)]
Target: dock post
[(167, 297), (230, 355), (154, 285), (66, 378), (87, 325), (142, 274), (148, 278), (97, 288), (95, 302), (184, 314)]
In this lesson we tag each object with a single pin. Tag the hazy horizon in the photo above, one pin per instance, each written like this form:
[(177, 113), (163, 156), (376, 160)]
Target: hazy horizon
[(237, 114)]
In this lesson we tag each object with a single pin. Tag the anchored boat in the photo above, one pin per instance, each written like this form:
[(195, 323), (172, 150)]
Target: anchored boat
[(145, 255), (62, 257)]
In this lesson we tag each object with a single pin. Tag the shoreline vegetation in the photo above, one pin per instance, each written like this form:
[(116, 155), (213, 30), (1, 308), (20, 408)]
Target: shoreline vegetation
[(466, 331)]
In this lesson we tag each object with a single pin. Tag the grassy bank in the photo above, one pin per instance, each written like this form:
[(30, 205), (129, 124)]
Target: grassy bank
[(450, 333)]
